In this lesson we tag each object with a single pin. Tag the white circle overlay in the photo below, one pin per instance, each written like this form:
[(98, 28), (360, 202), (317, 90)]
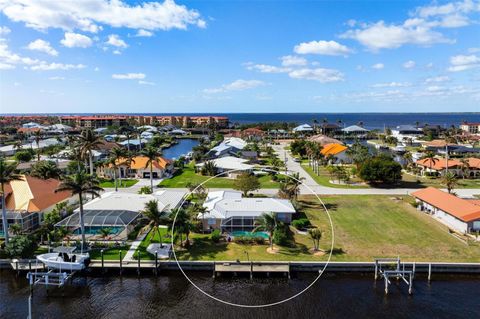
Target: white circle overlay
[(320, 272)]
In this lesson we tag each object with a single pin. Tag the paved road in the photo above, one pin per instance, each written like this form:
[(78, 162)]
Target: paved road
[(324, 190)]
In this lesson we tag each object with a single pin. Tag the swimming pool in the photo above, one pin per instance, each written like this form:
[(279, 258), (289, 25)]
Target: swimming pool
[(240, 233), (95, 230)]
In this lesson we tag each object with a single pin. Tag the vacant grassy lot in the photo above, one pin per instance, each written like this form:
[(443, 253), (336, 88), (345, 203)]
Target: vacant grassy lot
[(124, 183), (381, 226), (324, 178), (365, 227), (188, 175)]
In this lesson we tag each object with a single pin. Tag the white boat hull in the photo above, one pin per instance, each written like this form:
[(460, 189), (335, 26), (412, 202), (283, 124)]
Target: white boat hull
[(53, 260)]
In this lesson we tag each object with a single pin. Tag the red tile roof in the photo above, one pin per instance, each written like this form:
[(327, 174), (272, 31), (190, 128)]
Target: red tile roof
[(451, 204)]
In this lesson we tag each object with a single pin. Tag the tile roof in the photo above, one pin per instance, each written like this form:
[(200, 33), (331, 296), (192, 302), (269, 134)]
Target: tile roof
[(34, 194), (140, 162), (453, 205), (440, 164), (332, 149)]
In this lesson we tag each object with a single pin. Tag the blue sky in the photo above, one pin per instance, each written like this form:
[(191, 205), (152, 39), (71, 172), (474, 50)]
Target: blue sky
[(239, 56)]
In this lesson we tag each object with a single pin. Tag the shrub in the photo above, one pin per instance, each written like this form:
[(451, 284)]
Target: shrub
[(259, 240), (215, 236), (301, 223), (145, 190), (24, 156), (20, 247)]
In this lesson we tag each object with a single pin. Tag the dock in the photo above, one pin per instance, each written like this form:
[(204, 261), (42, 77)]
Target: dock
[(251, 268)]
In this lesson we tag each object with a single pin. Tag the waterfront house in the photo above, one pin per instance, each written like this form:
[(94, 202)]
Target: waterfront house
[(458, 214), (26, 201), (230, 163), (329, 128), (470, 128), (439, 166), (138, 168), (229, 211), (336, 153), (118, 212), (407, 133), (355, 130), (324, 140), (228, 147), (302, 129)]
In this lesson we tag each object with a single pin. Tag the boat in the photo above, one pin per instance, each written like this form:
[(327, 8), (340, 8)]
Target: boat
[(65, 261), (399, 149)]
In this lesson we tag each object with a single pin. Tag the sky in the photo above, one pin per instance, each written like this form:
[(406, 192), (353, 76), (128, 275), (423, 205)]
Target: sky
[(119, 56)]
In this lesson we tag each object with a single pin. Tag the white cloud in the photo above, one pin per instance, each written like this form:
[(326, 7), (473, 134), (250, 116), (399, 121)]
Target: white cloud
[(463, 62), (322, 47), (144, 33), (76, 40), (91, 15), (449, 15), (146, 83), (6, 66), (379, 35), (409, 64), (292, 60), (9, 59), (391, 84), (42, 46), (318, 74), (378, 66), (116, 41), (238, 85), (129, 76), (437, 79), (56, 78), (473, 50), (4, 30), (44, 66), (117, 52), (265, 68), (96, 69)]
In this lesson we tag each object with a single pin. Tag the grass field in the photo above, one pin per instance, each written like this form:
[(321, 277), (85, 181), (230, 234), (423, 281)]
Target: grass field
[(324, 178), (152, 237), (365, 227), (124, 183), (109, 254), (188, 175)]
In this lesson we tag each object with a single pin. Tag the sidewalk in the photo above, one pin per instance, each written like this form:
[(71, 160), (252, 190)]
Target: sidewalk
[(129, 256)]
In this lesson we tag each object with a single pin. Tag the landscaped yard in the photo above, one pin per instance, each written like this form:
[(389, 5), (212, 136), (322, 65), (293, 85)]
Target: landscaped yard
[(124, 183), (188, 175), (365, 227), (109, 253), (152, 237), (324, 178)]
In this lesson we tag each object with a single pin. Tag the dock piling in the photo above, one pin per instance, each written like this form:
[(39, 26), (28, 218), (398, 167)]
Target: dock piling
[(429, 272), (101, 254), (120, 261), (156, 263)]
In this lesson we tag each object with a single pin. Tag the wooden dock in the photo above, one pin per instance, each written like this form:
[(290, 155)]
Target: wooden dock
[(251, 268)]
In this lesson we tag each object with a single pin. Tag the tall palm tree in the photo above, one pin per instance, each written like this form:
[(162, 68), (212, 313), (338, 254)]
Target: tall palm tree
[(152, 153), (183, 224), (267, 222), (88, 141), (79, 184), (450, 181), (117, 154), (45, 170), (155, 216), (465, 166), (38, 136), (7, 174), (430, 156)]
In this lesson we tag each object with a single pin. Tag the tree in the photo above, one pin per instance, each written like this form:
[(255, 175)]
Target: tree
[(79, 184), (430, 157), (105, 232), (15, 229), (358, 153), (267, 222), (7, 174), (291, 187), (380, 169), (152, 153), (117, 154), (38, 136), (88, 141), (315, 234), (45, 170), (24, 155), (155, 216), (465, 167), (21, 246), (183, 224), (209, 168), (450, 181), (246, 182)]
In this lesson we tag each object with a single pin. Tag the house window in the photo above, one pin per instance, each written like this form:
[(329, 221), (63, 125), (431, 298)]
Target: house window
[(212, 221)]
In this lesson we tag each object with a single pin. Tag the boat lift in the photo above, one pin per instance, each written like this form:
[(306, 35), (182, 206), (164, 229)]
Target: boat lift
[(384, 269)]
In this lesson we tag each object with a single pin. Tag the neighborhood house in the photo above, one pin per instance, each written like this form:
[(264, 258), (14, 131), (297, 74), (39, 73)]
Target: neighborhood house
[(138, 167)]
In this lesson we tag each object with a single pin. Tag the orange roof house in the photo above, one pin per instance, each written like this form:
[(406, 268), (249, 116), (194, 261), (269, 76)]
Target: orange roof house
[(333, 149), (138, 168), (140, 162), (445, 206), (438, 164)]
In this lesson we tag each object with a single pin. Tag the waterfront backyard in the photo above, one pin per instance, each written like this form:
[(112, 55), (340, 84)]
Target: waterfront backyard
[(365, 227)]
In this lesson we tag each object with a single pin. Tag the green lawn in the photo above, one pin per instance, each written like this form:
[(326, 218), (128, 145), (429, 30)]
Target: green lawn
[(109, 254), (124, 183), (365, 227), (152, 237), (188, 175), (324, 178)]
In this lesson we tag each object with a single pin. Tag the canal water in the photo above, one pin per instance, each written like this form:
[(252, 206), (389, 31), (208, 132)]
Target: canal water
[(172, 296), (182, 148)]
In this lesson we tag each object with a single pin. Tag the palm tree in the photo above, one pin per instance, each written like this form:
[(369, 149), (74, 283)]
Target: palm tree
[(16, 229), (105, 232), (465, 166), (152, 153), (430, 156), (155, 216), (450, 181), (79, 184), (267, 222), (315, 234), (408, 159), (7, 174), (88, 141), (117, 154), (45, 170), (38, 137), (209, 168), (183, 224)]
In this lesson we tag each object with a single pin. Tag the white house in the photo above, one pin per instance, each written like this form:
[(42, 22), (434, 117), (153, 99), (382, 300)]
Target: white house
[(304, 128), (230, 163), (229, 211), (229, 146), (462, 215)]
